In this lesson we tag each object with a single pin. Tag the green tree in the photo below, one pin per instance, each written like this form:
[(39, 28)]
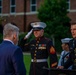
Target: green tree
[(54, 14)]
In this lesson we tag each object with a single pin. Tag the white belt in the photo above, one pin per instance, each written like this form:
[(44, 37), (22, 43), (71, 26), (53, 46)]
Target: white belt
[(38, 60)]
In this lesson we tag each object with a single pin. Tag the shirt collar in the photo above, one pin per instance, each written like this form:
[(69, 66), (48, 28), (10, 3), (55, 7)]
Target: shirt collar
[(8, 40)]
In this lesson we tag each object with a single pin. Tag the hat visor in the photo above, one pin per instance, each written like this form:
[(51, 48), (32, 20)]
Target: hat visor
[(37, 28)]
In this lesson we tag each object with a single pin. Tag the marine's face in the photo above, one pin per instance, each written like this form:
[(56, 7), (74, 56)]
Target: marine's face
[(73, 30), (38, 33)]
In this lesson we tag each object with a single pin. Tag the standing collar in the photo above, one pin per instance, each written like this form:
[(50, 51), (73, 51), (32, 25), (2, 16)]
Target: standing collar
[(39, 38)]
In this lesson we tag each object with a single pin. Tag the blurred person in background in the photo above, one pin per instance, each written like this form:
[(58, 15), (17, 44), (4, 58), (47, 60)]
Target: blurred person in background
[(72, 47), (65, 53)]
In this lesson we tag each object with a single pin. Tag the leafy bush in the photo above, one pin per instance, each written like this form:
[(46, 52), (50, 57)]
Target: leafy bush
[(54, 14), (22, 35)]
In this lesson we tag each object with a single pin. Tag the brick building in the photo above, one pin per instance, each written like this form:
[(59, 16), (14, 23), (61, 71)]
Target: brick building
[(23, 12), (72, 10)]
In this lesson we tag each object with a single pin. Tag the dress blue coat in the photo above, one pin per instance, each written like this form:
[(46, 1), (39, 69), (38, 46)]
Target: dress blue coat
[(11, 59)]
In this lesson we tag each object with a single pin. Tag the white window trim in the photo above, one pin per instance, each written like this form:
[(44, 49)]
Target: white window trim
[(12, 6), (33, 5), (69, 5), (27, 13)]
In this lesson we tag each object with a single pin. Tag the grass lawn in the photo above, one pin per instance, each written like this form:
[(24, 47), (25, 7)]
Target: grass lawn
[(27, 61)]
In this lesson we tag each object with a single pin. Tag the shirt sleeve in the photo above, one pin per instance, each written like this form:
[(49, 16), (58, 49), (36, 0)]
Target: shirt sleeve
[(60, 59)]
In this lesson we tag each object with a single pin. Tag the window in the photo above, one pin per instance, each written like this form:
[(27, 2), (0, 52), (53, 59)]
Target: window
[(68, 1), (0, 6), (12, 6), (33, 5)]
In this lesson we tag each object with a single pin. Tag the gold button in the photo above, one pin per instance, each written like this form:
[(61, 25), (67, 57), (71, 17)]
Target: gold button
[(36, 44), (36, 47), (35, 51), (37, 41), (34, 57), (35, 60), (34, 54)]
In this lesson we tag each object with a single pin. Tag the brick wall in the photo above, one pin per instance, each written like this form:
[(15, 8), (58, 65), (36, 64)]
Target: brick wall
[(20, 5), (73, 4), (29, 19), (72, 13), (23, 20), (6, 6), (17, 19), (27, 5)]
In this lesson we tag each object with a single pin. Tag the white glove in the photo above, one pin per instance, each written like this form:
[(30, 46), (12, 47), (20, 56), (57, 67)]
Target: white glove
[(28, 34)]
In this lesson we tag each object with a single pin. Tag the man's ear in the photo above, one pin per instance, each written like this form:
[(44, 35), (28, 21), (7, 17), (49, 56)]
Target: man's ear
[(14, 36)]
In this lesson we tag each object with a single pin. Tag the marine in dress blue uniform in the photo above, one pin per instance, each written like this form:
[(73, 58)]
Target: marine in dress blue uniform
[(41, 48)]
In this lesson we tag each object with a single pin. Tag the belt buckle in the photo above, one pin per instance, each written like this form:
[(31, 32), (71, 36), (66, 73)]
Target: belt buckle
[(34, 60)]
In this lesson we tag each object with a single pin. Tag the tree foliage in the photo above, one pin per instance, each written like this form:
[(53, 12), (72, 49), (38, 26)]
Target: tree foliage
[(54, 14)]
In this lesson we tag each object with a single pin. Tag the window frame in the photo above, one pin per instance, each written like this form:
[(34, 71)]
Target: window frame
[(1, 7), (11, 6), (68, 1), (31, 6)]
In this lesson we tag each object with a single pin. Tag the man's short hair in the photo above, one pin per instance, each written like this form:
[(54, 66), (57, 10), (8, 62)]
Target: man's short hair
[(9, 29)]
